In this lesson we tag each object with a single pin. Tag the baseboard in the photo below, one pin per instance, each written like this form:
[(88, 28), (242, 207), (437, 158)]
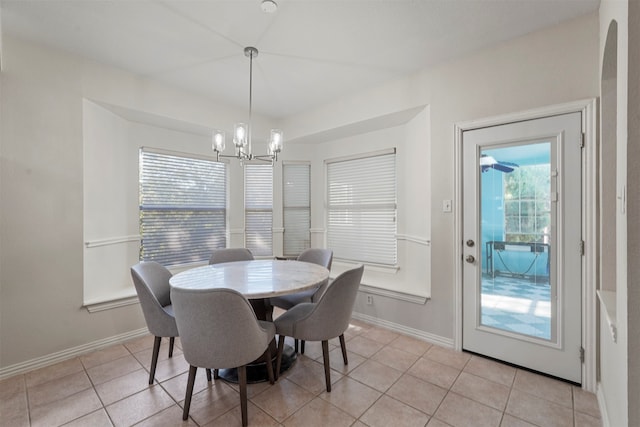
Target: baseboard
[(603, 406), (396, 327), (60, 356)]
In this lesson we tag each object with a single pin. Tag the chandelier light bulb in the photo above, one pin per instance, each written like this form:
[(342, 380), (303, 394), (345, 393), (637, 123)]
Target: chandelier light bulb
[(275, 144), (218, 141), (240, 135)]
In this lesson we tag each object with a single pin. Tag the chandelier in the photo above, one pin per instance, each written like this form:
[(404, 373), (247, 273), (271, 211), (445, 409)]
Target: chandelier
[(242, 131)]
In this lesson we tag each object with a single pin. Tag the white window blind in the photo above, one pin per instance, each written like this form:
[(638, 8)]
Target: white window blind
[(182, 208), (296, 209), (258, 205), (362, 209)]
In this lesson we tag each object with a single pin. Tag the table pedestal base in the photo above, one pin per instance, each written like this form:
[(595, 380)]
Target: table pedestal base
[(257, 372)]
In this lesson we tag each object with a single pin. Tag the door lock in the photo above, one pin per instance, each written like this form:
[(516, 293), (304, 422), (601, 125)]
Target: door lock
[(471, 243), (470, 259)]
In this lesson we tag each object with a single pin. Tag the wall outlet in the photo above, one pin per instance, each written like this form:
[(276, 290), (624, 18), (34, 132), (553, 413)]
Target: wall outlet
[(369, 299)]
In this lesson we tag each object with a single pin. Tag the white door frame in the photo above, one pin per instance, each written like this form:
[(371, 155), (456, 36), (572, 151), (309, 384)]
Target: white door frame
[(588, 108)]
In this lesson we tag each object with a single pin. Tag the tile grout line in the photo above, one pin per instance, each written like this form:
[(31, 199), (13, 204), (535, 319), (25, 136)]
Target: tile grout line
[(448, 390), (317, 395), (504, 412), (26, 396), (384, 393)]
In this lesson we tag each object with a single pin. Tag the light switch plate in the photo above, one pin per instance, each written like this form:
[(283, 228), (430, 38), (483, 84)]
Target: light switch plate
[(446, 206)]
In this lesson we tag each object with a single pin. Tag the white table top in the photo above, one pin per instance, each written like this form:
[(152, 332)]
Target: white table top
[(254, 279)]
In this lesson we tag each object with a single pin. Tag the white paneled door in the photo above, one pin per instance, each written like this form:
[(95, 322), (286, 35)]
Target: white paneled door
[(522, 237)]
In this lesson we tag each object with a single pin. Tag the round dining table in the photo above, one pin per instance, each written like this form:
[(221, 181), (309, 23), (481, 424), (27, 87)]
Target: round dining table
[(257, 280)]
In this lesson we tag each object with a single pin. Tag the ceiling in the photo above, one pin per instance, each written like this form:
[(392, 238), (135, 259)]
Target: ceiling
[(311, 51)]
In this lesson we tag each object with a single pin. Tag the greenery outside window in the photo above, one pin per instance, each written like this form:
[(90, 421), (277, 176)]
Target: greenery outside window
[(527, 204)]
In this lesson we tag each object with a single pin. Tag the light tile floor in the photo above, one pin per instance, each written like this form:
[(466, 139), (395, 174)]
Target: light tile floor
[(391, 380), (517, 305)]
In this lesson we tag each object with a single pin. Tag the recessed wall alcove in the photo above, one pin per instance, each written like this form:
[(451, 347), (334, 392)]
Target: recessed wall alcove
[(608, 180)]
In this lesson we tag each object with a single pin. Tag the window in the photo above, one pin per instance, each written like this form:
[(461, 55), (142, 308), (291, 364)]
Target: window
[(362, 209), (182, 208), (527, 204), (296, 209), (258, 208)]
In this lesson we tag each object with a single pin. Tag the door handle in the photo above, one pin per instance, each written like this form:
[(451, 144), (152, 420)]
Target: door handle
[(470, 259)]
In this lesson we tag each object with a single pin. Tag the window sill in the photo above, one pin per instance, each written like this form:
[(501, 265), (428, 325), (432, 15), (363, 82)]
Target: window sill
[(121, 300), (342, 266), (389, 293), (608, 304), (377, 273)]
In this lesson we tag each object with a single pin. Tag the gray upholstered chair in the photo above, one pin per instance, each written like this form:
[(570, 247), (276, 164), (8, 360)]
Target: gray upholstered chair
[(219, 329), (152, 286), (230, 254), (241, 254), (322, 257), (323, 320)]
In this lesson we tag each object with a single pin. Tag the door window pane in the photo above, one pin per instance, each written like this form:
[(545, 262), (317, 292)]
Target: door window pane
[(515, 229)]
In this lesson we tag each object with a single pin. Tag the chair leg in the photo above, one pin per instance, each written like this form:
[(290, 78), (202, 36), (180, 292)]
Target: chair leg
[(301, 346), (279, 355), (242, 380), (215, 374), (269, 363), (154, 358), (344, 350), (295, 345), (172, 340), (189, 392), (327, 367)]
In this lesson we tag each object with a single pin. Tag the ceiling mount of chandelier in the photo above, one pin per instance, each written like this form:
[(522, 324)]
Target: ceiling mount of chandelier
[(242, 131)]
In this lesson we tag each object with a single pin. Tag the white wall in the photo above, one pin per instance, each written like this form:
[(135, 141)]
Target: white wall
[(411, 141), (42, 179), (613, 355), (619, 386), (553, 66), (633, 211), (110, 196), (41, 213), (111, 145)]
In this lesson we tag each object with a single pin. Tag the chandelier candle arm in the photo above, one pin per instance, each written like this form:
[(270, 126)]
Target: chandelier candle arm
[(242, 131)]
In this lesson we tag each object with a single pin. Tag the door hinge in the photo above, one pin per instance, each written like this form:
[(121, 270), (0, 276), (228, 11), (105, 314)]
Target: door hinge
[(581, 354), (581, 247), (582, 138)]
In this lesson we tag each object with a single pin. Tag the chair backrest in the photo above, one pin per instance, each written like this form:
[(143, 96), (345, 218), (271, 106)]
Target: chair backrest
[(151, 281), (218, 328), (331, 315), (230, 254), (322, 257)]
